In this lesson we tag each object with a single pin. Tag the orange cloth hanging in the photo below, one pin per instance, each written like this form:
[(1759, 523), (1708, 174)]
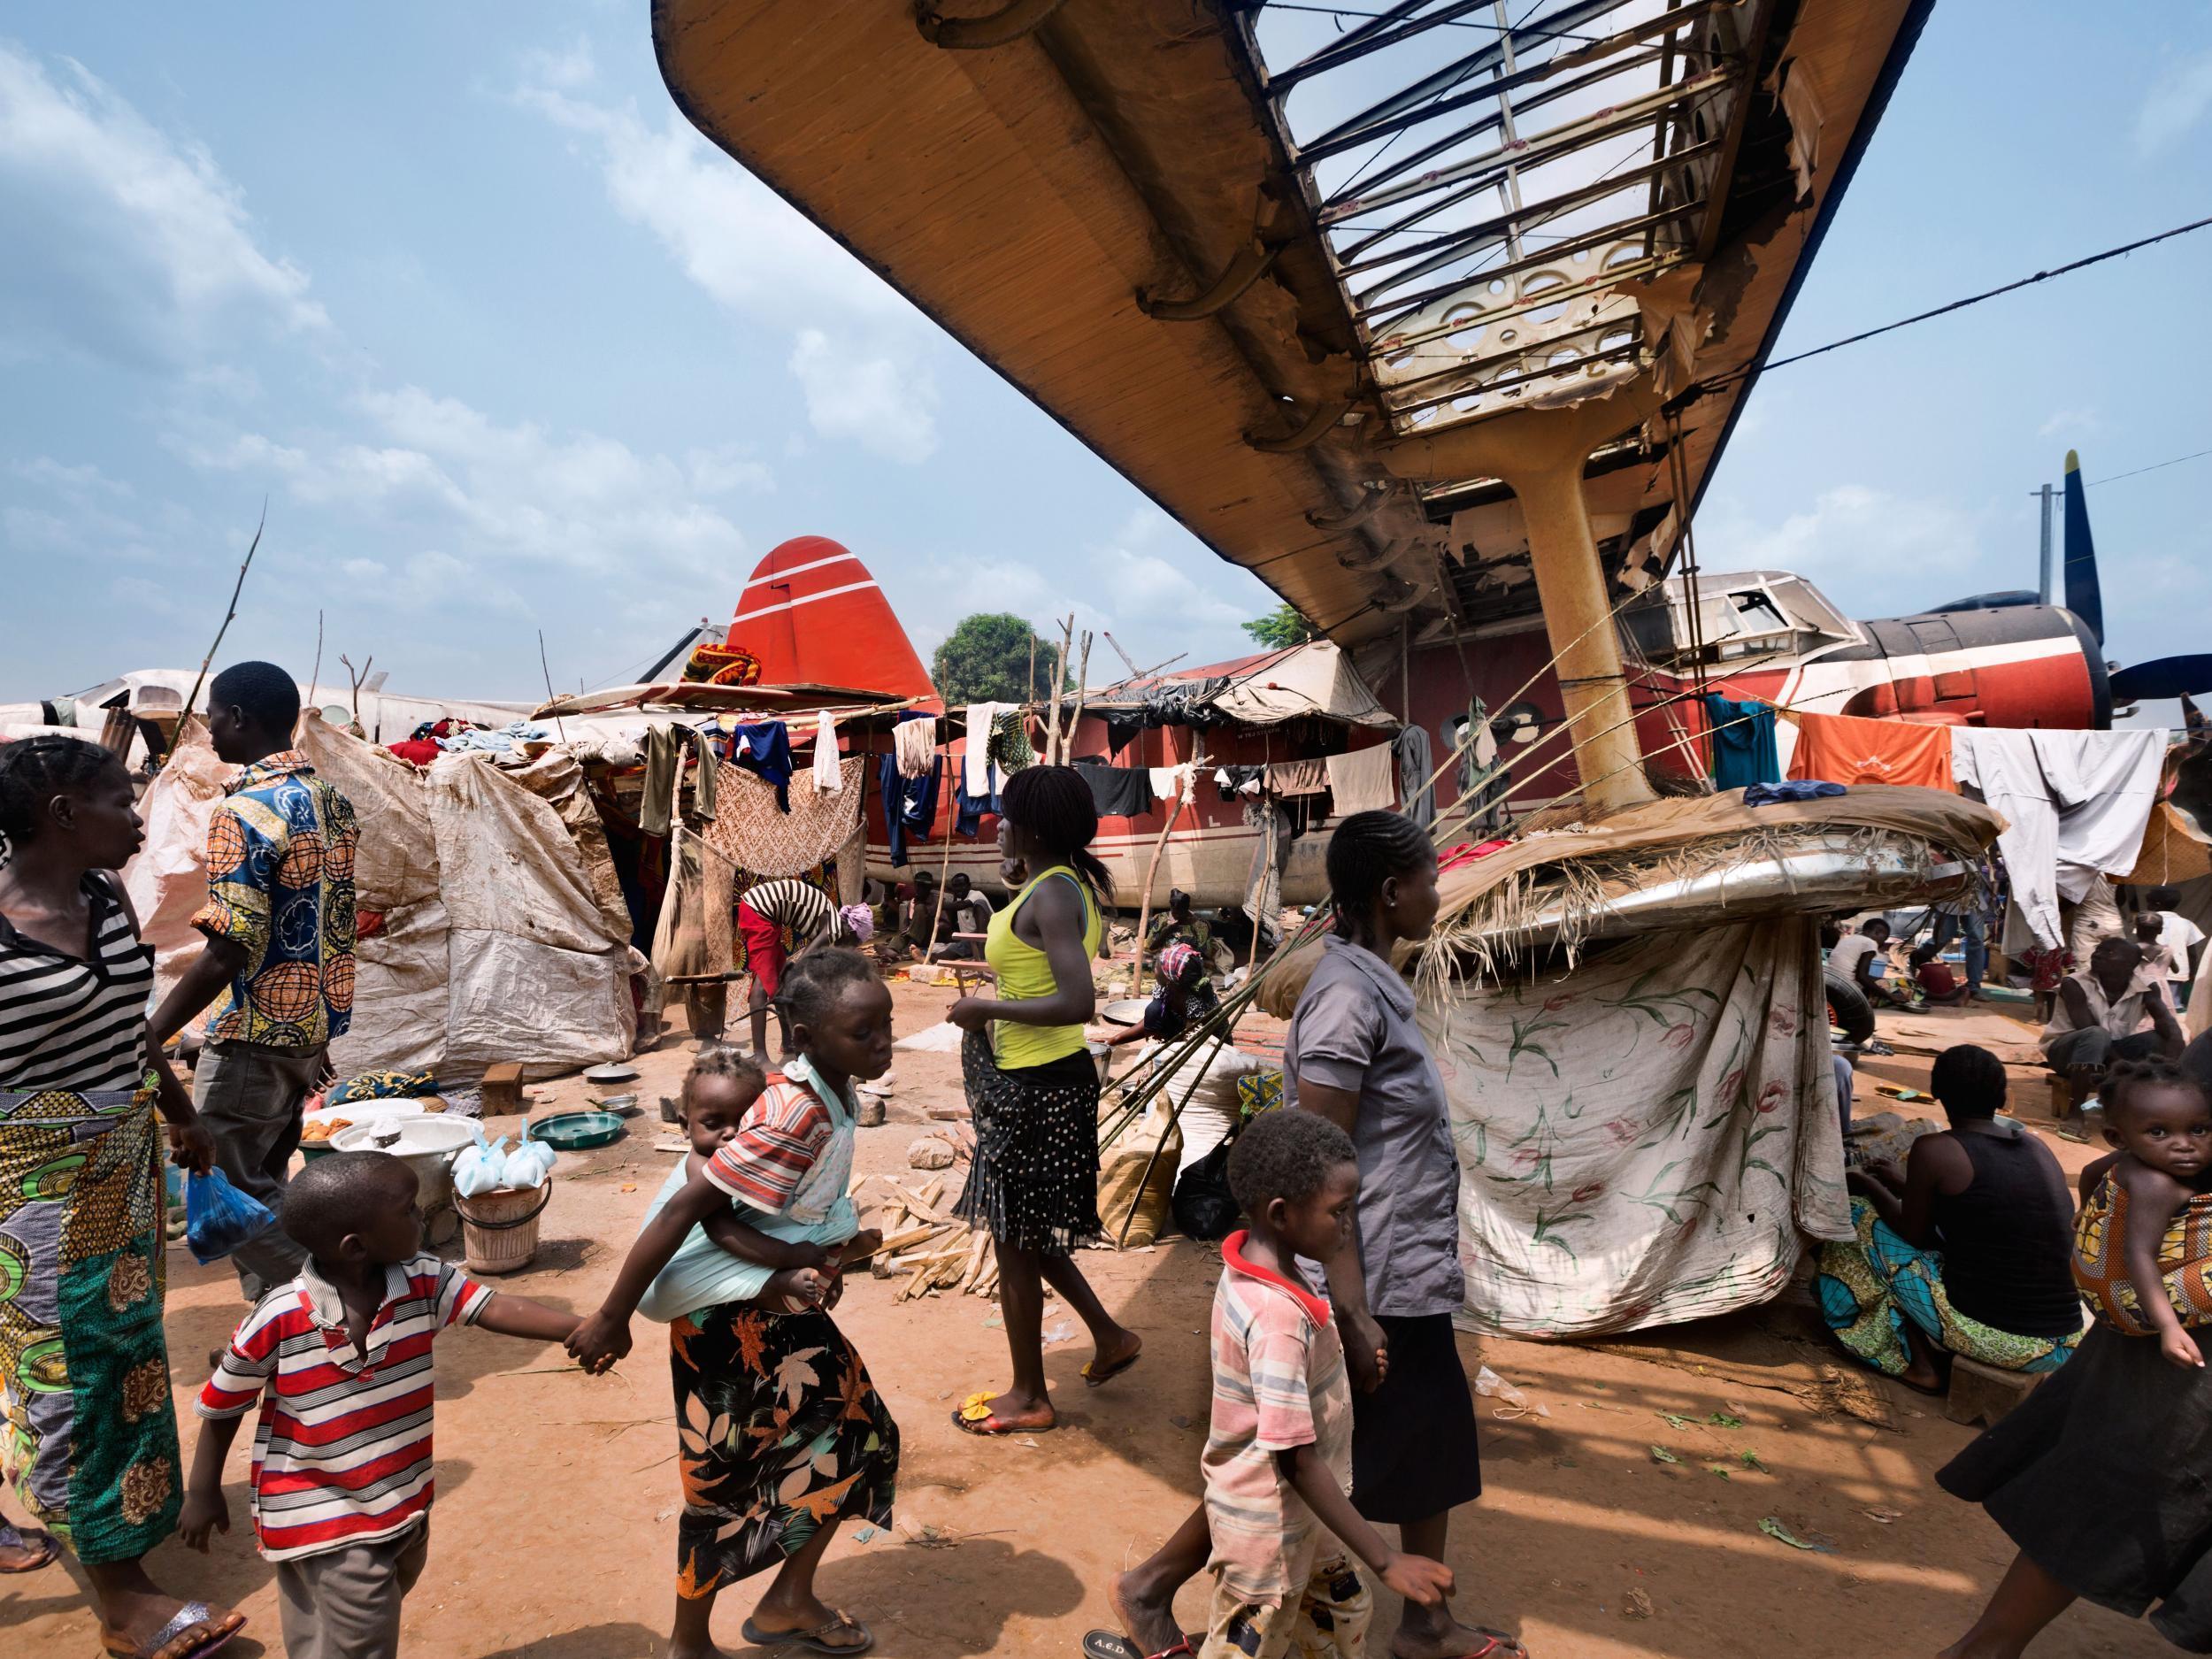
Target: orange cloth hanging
[(1844, 748)]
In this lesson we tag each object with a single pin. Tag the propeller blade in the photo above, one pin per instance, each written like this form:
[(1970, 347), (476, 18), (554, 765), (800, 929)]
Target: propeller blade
[(2083, 596), (2163, 676)]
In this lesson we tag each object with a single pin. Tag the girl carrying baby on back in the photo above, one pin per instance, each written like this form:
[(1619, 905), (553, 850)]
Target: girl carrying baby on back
[(2098, 1475), (782, 1435)]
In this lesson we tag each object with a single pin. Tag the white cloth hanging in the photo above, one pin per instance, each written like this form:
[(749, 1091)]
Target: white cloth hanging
[(978, 776), (1169, 782), (2075, 804), (915, 744), (827, 780)]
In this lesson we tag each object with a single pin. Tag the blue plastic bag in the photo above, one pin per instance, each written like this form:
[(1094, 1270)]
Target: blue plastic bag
[(218, 1218)]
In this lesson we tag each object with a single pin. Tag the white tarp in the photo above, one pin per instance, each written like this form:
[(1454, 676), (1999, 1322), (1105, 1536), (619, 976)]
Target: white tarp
[(1312, 678), (167, 880), (1645, 1139)]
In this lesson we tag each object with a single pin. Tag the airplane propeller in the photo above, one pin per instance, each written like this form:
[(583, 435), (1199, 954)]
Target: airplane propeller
[(2159, 678)]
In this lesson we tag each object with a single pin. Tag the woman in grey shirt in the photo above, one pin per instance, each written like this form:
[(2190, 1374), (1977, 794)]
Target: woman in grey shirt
[(1355, 1055)]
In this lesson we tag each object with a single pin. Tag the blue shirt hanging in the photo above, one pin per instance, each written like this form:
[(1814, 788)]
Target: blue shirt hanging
[(1743, 743), (910, 804), (764, 751)]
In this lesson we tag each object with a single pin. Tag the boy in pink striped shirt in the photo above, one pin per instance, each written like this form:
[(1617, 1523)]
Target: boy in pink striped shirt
[(1278, 1458), (339, 1361)]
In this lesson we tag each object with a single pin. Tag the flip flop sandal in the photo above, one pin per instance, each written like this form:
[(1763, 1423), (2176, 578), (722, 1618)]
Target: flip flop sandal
[(975, 1417), (814, 1639), (1111, 1644), (1093, 1379), (1498, 1645), (161, 1645), (13, 1539)]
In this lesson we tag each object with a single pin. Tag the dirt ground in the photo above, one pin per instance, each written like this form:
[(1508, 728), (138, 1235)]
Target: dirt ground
[(554, 1530)]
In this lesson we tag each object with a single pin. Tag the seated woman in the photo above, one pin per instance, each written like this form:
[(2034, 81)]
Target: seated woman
[(1184, 999), (1970, 1252)]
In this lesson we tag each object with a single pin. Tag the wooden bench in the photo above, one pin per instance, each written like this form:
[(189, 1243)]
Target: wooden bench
[(1982, 1394)]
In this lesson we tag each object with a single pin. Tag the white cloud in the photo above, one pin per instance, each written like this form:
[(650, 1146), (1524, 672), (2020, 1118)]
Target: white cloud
[(124, 242), (515, 497), (2069, 423), (368, 572), (2176, 102), (860, 351), (867, 398), (1872, 552), (69, 480)]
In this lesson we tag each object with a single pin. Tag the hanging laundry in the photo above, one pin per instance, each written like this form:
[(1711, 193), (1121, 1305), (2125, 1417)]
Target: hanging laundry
[(2075, 805), (1297, 777), (1844, 748), (667, 749), (914, 740), (1122, 727), (1118, 791), (1743, 743), (764, 749), (970, 811), (1009, 747), (1365, 780), (826, 781), (1238, 780), (975, 761), (910, 804), (1415, 761), (1167, 781)]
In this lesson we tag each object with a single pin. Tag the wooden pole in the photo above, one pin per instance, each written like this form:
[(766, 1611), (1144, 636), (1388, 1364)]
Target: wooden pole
[(315, 675), (558, 724), (944, 877), (1059, 679), (1082, 692), (231, 615), (1151, 873)]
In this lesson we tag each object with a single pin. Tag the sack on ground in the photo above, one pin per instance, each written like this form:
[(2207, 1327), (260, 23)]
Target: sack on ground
[(1121, 1172), (1205, 1207)]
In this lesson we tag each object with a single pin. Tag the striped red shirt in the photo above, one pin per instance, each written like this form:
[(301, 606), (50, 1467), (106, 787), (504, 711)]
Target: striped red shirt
[(341, 1455), (774, 1147)]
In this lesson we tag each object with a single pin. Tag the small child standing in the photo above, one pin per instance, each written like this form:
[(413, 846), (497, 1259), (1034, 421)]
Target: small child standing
[(348, 1341), (1277, 1462), (2143, 1243), (778, 1257), (781, 1434)]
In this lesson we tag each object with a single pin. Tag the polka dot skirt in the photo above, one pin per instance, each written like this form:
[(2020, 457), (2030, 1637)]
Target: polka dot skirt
[(1034, 1184)]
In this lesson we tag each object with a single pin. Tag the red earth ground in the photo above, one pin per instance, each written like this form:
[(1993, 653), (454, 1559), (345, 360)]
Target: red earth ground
[(555, 1526)]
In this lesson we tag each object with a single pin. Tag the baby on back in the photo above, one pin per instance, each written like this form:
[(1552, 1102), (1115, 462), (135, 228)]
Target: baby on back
[(741, 1253), (2143, 1242)]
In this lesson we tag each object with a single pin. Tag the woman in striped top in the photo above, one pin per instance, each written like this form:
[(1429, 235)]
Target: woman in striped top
[(89, 1438)]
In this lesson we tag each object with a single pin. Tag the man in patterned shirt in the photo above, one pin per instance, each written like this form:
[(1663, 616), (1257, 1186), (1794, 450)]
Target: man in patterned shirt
[(279, 962)]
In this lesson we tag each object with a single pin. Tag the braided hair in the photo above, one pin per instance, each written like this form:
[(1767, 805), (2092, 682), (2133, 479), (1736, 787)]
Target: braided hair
[(812, 983), (34, 771), (1056, 805), (2121, 1078), (1367, 849)]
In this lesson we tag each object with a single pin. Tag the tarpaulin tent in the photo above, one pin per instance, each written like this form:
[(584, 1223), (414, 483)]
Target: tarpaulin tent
[(499, 933)]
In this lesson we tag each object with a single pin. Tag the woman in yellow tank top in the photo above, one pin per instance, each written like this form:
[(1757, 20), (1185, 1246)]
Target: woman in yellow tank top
[(1032, 1089)]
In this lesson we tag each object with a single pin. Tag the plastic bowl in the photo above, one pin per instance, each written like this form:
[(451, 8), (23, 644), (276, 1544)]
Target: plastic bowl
[(578, 1132)]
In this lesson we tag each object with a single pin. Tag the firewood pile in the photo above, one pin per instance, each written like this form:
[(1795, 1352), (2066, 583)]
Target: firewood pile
[(933, 1251)]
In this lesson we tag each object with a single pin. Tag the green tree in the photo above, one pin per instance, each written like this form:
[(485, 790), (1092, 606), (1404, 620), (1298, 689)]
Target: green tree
[(1280, 629), (986, 659)]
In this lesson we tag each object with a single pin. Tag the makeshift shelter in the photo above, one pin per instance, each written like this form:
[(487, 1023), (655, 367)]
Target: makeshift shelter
[(1628, 1017), (492, 928)]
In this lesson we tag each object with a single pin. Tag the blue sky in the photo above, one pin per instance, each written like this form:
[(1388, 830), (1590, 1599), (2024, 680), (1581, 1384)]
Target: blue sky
[(508, 346)]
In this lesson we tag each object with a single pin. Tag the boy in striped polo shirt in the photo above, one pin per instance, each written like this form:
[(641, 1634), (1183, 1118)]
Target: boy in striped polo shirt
[(338, 1359), (1278, 1458)]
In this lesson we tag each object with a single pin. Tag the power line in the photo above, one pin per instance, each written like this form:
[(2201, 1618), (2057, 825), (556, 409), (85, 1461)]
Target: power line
[(1972, 299), (1449, 23), (2153, 467)]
